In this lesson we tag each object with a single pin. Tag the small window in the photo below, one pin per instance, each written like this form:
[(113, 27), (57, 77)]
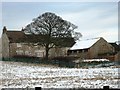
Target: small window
[(75, 51), (39, 53), (19, 52), (83, 51), (19, 45), (78, 52), (86, 50), (27, 53)]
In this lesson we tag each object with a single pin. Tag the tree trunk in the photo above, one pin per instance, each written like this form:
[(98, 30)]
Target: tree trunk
[(47, 52)]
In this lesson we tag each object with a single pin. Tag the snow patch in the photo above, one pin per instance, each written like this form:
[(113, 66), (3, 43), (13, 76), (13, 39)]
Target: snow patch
[(22, 75)]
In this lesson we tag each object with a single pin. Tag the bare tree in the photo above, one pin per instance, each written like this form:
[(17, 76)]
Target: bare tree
[(53, 28)]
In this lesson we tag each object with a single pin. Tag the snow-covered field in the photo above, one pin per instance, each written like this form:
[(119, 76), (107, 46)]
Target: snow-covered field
[(22, 75)]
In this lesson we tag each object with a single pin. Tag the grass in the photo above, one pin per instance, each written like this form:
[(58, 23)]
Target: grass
[(60, 62)]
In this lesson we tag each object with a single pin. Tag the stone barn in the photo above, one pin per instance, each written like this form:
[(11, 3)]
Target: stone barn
[(91, 48)]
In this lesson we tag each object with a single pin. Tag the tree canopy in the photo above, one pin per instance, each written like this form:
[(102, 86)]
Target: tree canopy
[(54, 28)]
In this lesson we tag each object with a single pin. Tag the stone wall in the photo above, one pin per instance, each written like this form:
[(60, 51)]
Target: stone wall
[(26, 49), (0, 48), (117, 56), (35, 51), (100, 47), (56, 52), (5, 46)]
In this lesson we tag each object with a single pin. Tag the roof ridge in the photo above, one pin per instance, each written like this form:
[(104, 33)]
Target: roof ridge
[(91, 39), (85, 43), (13, 31)]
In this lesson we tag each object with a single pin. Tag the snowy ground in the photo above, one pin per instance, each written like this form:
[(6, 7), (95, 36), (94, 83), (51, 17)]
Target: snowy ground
[(22, 75)]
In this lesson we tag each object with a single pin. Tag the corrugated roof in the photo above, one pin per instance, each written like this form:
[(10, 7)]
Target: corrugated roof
[(84, 44)]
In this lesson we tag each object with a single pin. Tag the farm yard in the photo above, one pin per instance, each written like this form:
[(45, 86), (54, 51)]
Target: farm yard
[(22, 75)]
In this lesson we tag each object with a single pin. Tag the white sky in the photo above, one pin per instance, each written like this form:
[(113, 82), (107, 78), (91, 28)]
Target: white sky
[(96, 18)]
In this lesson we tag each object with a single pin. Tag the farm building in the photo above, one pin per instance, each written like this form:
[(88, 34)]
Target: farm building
[(0, 48), (94, 48), (117, 56), (15, 43)]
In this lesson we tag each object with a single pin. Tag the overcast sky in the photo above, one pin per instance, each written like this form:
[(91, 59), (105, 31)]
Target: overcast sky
[(94, 19)]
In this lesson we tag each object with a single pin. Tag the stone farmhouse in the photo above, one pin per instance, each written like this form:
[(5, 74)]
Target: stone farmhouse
[(95, 48), (17, 43), (0, 48)]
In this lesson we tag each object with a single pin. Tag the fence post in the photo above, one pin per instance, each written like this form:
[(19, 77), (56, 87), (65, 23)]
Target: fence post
[(106, 88), (38, 88)]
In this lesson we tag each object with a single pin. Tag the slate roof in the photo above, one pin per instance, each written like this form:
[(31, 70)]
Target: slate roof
[(15, 36), (84, 44), (21, 37)]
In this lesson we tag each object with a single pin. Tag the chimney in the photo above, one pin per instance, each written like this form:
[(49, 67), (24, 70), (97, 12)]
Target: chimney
[(4, 29), (22, 29)]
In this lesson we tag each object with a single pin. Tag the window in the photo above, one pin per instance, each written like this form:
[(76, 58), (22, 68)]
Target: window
[(78, 52), (84, 50), (19, 45), (19, 52), (75, 51), (27, 53), (39, 53)]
